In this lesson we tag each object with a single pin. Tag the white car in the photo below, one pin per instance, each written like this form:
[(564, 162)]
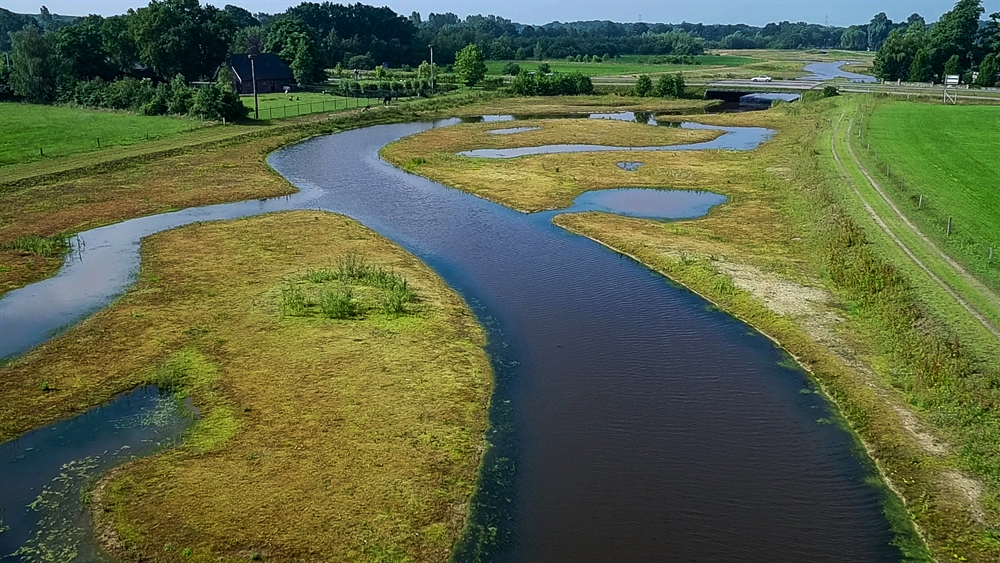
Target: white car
[(761, 79)]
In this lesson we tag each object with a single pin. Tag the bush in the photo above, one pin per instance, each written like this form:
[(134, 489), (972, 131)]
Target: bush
[(830, 91), (643, 86), (511, 69), (538, 84)]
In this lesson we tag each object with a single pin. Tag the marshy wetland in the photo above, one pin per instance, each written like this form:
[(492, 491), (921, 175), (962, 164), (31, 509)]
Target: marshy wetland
[(629, 417)]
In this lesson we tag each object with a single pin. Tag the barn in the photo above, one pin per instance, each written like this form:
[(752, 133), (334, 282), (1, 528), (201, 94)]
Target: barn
[(273, 75)]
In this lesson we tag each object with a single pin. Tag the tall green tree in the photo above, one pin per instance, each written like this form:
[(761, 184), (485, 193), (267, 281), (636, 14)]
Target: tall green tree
[(955, 34), (878, 30), (34, 66), (854, 39), (470, 65), (953, 65), (643, 86), (181, 36), (988, 71), (250, 41), (118, 43), (921, 69), (305, 65), (81, 48), (10, 23)]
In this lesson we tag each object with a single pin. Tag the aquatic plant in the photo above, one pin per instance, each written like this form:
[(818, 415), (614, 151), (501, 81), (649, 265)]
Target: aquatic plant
[(336, 304), (54, 245)]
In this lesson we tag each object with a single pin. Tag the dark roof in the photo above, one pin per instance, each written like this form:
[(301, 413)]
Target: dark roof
[(267, 66)]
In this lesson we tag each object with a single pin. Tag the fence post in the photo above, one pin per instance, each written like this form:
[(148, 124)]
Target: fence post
[(41, 152), (920, 204), (949, 226), (98, 142), (990, 260)]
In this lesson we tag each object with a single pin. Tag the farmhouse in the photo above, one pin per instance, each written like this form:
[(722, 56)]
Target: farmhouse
[(273, 75)]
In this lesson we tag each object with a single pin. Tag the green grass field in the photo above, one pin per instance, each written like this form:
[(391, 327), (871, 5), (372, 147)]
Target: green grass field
[(947, 154), (25, 129), (280, 106), (625, 65)]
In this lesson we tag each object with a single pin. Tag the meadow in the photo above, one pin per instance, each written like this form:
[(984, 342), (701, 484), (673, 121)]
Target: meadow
[(942, 163), (324, 433), (281, 106), (30, 132), (624, 65)]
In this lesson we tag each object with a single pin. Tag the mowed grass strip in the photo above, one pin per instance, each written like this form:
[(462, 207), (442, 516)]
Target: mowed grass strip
[(30, 132), (948, 155), (535, 183), (624, 65), (319, 438)]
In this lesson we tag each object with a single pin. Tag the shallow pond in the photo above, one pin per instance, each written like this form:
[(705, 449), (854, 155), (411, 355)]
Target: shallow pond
[(829, 71), (631, 420), (513, 130)]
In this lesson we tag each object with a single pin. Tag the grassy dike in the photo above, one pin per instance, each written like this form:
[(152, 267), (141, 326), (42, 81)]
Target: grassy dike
[(790, 256), (324, 433)]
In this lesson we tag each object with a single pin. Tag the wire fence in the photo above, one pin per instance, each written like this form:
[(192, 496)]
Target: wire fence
[(919, 204), (336, 103)]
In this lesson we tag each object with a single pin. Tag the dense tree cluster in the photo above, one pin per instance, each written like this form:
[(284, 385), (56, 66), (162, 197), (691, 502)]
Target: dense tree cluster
[(542, 83), (960, 43)]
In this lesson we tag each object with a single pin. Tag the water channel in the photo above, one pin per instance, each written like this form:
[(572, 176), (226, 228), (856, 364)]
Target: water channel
[(631, 420)]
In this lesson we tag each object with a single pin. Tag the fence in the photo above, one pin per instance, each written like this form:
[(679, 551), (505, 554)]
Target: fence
[(920, 206), (337, 103)]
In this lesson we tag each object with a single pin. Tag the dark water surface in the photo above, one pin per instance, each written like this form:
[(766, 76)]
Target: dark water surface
[(829, 71), (46, 472), (633, 421)]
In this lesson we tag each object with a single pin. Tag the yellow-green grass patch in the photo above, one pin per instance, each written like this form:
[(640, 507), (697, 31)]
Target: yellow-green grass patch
[(318, 438), (540, 182)]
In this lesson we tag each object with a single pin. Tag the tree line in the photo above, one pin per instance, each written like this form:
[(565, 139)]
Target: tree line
[(960, 43)]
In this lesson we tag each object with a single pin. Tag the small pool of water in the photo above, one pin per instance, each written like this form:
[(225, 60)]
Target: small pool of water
[(513, 130), (829, 71), (630, 166), (643, 202), (733, 138), (46, 471)]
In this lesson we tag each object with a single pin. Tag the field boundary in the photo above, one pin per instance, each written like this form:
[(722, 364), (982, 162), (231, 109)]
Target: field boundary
[(986, 292), (892, 235)]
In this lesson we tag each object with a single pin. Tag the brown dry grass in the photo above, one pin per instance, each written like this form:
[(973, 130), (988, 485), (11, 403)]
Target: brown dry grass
[(319, 439), (553, 181)]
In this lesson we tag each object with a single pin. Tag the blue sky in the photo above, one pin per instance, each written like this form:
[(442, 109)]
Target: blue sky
[(754, 12)]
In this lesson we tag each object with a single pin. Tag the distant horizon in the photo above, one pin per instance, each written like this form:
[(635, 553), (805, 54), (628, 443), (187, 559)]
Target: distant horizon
[(838, 13)]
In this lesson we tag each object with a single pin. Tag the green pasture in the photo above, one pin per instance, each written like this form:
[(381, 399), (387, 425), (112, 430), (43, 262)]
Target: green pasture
[(31, 132), (948, 155), (624, 65)]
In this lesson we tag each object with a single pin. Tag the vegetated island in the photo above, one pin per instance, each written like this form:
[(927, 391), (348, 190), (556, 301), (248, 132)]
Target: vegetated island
[(342, 391)]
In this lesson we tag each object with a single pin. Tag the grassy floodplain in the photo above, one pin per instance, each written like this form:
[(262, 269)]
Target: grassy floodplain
[(42, 203), (553, 179), (322, 436), (623, 65), (793, 255), (948, 155), (62, 131)]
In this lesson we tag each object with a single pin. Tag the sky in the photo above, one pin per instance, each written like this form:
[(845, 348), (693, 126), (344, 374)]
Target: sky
[(753, 12)]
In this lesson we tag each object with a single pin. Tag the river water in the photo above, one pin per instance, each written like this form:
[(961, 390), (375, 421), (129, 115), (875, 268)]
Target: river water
[(631, 420)]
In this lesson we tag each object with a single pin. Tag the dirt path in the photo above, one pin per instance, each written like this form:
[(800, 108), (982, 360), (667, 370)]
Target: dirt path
[(888, 231)]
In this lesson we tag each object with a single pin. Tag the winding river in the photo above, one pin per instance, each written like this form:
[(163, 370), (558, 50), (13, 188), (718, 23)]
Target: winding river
[(631, 420)]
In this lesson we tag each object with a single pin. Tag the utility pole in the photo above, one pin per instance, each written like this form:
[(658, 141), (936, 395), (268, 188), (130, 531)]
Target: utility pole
[(432, 67), (253, 76)]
